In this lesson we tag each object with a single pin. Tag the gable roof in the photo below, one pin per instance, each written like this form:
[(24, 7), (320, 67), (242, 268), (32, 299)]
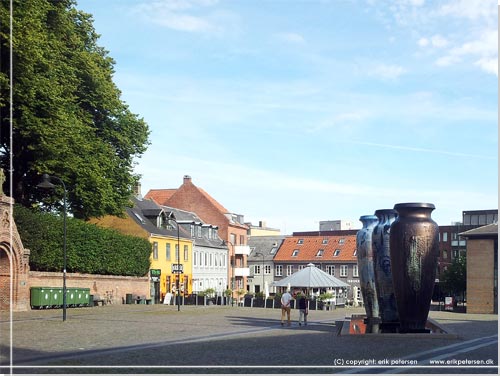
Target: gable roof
[(160, 196), (144, 213), (308, 247), (482, 232), (213, 201)]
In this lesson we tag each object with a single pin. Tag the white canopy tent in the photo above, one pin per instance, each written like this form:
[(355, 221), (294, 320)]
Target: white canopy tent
[(311, 277)]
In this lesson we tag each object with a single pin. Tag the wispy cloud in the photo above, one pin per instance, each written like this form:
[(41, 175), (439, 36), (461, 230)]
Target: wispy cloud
[(180, 15), (386, 71), (424, 150), (292, 38)]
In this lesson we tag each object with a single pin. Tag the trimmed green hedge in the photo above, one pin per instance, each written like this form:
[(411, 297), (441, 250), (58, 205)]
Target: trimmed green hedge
[(89, 248)]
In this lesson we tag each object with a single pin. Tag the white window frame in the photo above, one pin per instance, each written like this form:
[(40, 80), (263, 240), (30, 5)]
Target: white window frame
[(278, 270), (344, 270)]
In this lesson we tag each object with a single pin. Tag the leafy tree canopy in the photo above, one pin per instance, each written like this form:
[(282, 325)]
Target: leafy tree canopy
[(68, 118), (455, 277)]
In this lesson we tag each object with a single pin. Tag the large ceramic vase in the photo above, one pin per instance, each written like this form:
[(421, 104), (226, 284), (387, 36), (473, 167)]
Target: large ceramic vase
[(383, 270), (414, 254), (366, 272)]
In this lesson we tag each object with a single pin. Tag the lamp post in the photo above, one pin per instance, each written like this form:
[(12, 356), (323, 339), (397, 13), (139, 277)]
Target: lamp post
[(232, 260), (263, 283), (178, 256), (46, 184)]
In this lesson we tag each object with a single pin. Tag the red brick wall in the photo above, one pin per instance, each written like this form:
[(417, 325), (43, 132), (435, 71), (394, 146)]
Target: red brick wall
[(98, 284), (480, 261)]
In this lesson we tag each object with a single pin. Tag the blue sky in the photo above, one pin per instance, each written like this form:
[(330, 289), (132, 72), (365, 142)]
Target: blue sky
[(295, 112)]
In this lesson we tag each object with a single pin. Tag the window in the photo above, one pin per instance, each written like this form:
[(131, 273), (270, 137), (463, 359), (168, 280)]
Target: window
[(267, 269), (155, 250), (336, 253), (242, 239), (256, 269), (279, 270), (341, 241), (300, 267), (445, 254), (289, 270), (343, 270), (273, 250), (167, 251), (210, 232), (445, 236), (192, 231), (300, 241), (355, 254), (355, 270), (186, 253), (320, 253), (330, 269), (295, 253), (195, 258), (325, 241), (198, 230)]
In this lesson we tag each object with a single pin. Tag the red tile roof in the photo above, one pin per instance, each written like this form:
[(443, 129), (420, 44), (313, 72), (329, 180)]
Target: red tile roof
[(308, 250), (160, 196)]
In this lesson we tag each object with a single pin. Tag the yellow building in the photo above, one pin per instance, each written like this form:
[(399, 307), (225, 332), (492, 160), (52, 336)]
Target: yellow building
[(148, 220)]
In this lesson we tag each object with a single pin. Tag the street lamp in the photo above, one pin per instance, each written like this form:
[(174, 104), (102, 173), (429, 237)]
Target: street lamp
[(46, 184), (178, 256), (232, 260), (263, 283)]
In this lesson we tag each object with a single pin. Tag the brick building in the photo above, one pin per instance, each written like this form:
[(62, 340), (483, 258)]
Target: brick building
[(482, 269), (231, 227), (334, 252)]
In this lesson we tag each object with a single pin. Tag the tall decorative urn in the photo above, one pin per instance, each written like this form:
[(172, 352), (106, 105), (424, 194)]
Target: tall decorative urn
[(364, 254), (414, 254), (383, 270)]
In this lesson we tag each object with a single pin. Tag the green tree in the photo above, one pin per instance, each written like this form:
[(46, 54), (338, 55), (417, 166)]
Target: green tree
[(455, 277), (68, 118)]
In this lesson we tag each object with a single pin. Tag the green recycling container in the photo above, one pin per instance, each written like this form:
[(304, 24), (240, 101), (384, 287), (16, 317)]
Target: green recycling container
[(71, 296), (56, 297), (85, 297), (40, 297)]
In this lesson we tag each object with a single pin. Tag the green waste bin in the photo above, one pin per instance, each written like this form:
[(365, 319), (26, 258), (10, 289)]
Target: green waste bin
[(85, 297), (129, 299), (56, 297), (40, 297), (70, 296)]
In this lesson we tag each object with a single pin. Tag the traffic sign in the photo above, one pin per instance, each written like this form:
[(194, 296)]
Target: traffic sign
[(177, 268)]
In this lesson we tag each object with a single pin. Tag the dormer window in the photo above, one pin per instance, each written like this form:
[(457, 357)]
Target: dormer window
[(199, 232), (320, 253), (336, 253), (341, 241), (300, 241), (192, 231), (295, 253), (325, 241)]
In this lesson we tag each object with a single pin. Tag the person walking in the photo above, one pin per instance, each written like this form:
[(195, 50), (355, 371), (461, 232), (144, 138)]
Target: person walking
[(303, 308), (286, 299)]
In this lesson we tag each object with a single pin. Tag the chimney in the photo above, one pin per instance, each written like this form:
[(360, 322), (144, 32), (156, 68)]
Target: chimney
[(187, 179), (137, 190), (262, 224)]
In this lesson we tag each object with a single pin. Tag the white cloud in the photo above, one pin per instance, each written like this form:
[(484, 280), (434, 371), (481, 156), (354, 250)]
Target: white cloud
[(387, 71), (482, 51), (179, 15), (439, 41), (471, 9), (423, 42), (291, 38)]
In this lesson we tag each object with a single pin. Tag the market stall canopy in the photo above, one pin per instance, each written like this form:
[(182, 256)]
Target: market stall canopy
[(310, 276)]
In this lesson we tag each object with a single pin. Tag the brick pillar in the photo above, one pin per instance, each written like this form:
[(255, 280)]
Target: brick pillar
[(14, 262)]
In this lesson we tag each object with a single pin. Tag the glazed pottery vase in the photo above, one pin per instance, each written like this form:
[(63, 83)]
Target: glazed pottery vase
[(383, 270), (414, 255), (364, 254)]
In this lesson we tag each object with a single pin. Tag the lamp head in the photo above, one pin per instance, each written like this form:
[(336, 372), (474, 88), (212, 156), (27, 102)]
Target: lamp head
[(45, 183)]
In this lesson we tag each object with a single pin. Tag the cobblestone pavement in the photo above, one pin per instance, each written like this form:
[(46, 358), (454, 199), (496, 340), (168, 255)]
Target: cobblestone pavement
[(160, 339)]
